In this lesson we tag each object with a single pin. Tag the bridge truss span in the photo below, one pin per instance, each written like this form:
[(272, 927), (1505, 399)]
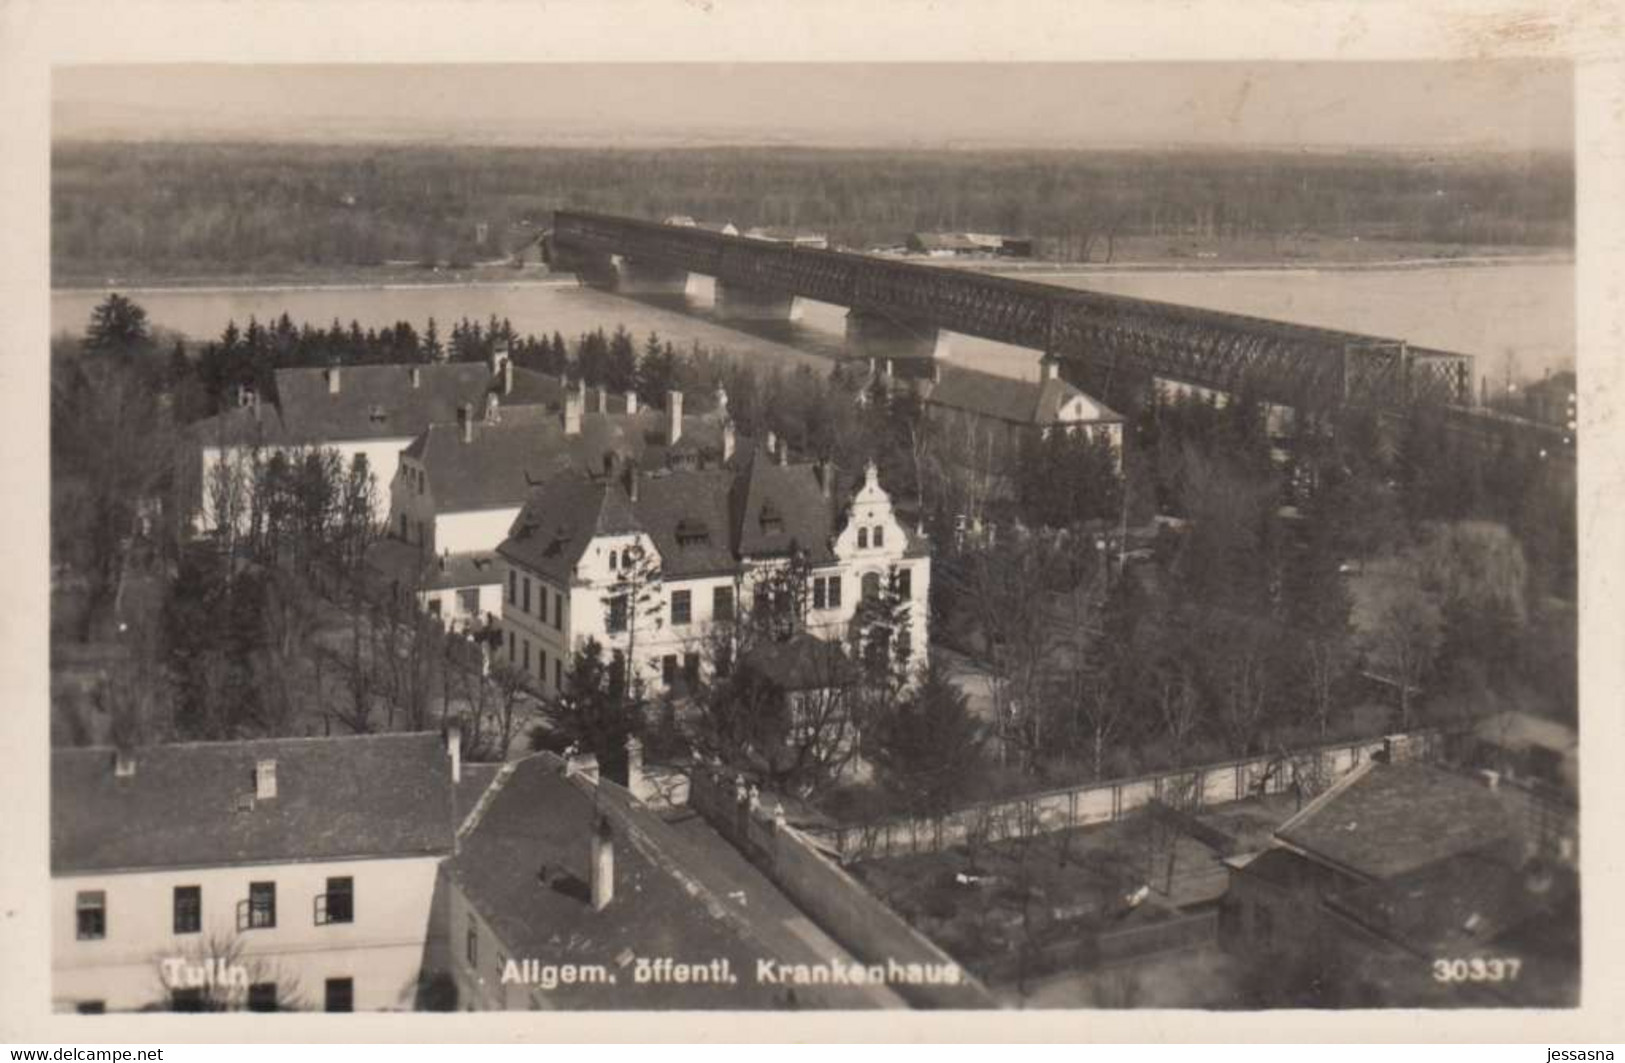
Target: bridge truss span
[(1301, 366)]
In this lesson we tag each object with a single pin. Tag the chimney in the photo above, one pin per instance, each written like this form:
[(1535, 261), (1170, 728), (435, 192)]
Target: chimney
[(465, 420), (572, 413), (265, 780), (417, 377), (600, 400), (493, 408), (498, 359), (333, 381), (1047, 368), (454, 749), (772, 442), (674, 416), (635, 782), (632, 480), (826, 478), (722, 403), (254, 404), (727, 440), (507, 375), (123, 763), (631, 402), (871, 474), (783, 455), (603, 864)]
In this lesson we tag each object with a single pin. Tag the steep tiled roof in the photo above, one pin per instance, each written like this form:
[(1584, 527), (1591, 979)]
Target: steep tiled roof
[(525, 868), (379, 401), (1394, 818), (1025, 402), (775, 506), (193, 805), (527, 446), (701, 520)]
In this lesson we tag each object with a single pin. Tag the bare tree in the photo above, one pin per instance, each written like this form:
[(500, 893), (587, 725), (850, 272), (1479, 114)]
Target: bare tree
[(1404, 641), (217, 973)]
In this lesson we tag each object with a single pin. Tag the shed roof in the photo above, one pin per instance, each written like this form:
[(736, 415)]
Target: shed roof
[(1387, 819)]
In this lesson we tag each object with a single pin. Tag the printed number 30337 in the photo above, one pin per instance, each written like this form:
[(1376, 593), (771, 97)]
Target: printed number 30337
[(1477, 969)]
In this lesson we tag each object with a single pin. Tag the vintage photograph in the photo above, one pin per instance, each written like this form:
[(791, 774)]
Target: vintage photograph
[(797, 536)]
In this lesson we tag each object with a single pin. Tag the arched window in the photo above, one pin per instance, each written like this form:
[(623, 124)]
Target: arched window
[(880, 535), (863, 538), (871, 586)]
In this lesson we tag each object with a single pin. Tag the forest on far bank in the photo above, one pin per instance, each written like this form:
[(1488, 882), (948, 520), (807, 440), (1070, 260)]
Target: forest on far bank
[(166, 209)]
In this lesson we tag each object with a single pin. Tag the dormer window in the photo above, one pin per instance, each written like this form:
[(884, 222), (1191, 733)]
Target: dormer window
[(692, 532), (771, 519), (377, 415)]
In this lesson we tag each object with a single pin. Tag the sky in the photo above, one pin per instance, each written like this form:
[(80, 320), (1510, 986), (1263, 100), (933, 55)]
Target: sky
[(1497, 106)]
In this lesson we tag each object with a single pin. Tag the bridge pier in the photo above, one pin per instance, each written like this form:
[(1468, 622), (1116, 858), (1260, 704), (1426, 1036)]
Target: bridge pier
[(744, 302), (910, 346), (648, 278)]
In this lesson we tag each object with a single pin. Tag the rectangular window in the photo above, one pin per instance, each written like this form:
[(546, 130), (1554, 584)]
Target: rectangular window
[(525, 644), (691, 669), (682, 608), (404, 537), (511, 654), (434, 606), (832, 591), (513, 587), (722, 604), (526, 594), (471, 946), (880, 535), (261, 905), (262, 996), (92, 1007), (819, 600), (91, 911), (337, 905), (905, 582), (558, 610), (541, 663), (558, 674), (668, 669), (188, 909), (468, 601), (617, 614), (340, 994)]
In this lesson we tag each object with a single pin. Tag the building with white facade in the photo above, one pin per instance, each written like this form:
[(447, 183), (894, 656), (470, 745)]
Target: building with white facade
[(459, 486), (262, 874), (360, 411), (650, 563)]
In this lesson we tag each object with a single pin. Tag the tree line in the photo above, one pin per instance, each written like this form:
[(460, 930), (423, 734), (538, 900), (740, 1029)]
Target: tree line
[(170, 208)]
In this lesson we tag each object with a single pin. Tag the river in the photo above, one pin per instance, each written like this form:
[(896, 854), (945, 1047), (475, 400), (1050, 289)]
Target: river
[(1520, 312)]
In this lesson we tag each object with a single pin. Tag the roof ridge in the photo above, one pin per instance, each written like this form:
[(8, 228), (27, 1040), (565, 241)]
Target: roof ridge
[(498, 781), (1332, 792)]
